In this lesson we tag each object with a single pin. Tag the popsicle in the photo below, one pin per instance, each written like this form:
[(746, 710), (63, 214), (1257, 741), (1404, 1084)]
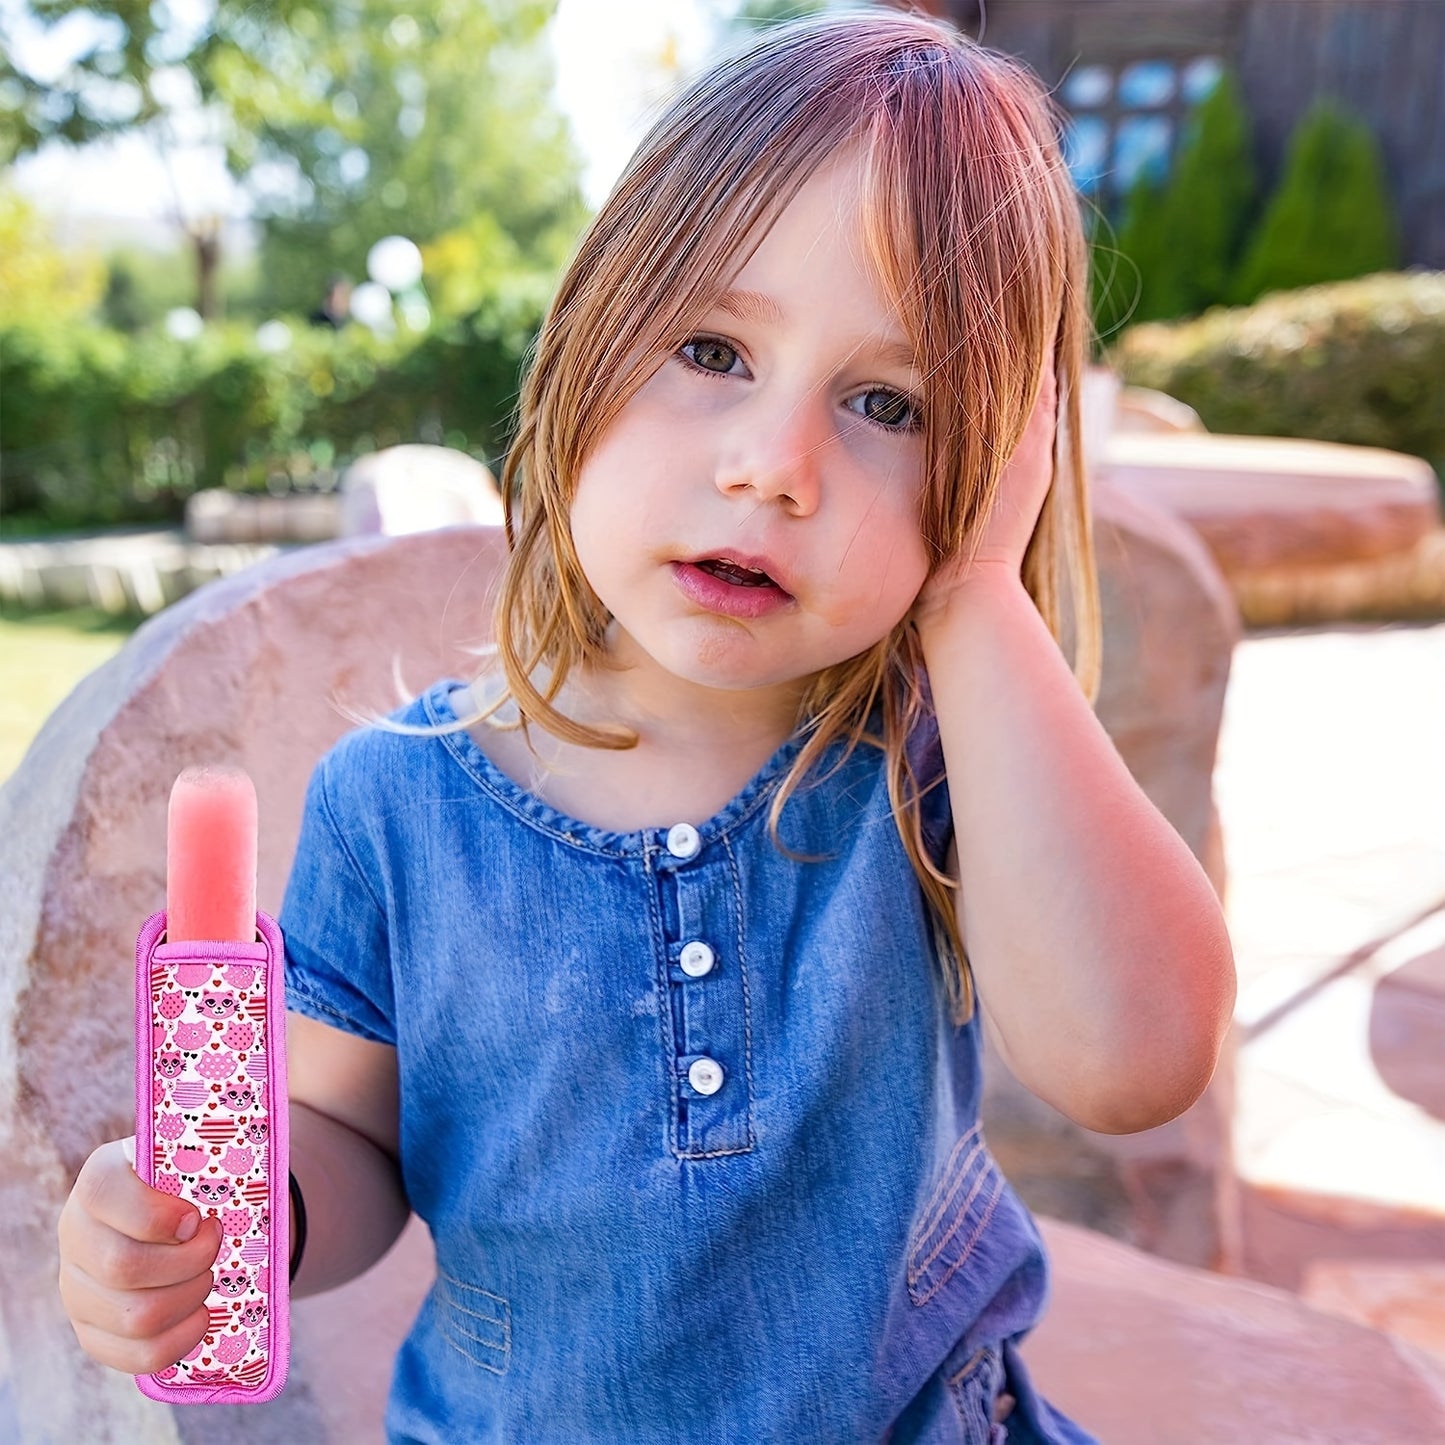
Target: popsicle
[(211, 857), (211, 1098)]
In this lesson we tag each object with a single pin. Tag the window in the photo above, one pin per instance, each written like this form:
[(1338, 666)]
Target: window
[(1125, 119)]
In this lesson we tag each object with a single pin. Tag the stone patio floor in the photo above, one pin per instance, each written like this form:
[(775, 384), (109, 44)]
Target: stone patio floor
[(1331, 790)]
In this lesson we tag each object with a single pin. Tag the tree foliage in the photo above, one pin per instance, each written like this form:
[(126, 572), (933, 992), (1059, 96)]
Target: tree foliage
[(1330, 218), (37, 282), (106, 88), (405, 122), (1184, 234), (344, 121)]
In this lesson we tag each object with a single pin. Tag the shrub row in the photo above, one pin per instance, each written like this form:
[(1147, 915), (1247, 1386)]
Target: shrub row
[(101, 428), (1355, 361)]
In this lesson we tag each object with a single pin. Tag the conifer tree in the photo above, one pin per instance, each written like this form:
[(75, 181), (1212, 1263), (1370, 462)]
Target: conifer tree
[(1210, 200), (1185, 233), (1330, 219), (1122, 258)]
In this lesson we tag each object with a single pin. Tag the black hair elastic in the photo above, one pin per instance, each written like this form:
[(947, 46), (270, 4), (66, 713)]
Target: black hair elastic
[(298, 1240)]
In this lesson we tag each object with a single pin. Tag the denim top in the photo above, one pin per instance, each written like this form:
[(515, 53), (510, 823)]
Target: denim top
[(695, 1139)]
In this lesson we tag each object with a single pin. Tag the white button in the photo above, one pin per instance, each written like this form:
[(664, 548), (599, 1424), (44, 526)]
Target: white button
[(682, 840), (697, 959), (706, 1076)]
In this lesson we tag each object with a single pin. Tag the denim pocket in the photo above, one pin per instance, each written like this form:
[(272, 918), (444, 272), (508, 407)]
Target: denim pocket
[(474, 1322), (955, 1218), (973, 1388)]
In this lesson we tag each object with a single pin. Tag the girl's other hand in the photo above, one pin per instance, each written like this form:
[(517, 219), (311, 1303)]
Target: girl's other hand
[(1022, 488), (135, 1265)]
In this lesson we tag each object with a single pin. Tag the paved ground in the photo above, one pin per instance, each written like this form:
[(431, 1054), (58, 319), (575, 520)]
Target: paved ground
[(1331, 789)]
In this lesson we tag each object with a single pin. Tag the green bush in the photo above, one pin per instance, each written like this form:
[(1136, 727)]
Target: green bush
[(1330, 218), (1358, 361), (101, 428)]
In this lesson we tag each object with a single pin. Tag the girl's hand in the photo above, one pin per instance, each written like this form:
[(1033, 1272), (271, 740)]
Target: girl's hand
[(1027, 476), (135, 1266)]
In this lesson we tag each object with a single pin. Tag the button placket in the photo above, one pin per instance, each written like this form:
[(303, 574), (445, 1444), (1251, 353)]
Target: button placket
[(709, 1066)]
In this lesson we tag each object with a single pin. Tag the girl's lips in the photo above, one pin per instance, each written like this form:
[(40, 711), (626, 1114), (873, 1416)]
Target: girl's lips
[(721, 561), (728, 598)]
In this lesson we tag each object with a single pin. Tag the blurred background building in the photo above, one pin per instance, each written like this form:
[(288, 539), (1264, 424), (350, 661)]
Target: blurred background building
[(1130, 71)]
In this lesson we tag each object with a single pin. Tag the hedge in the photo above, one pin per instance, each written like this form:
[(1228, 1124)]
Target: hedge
[(99, 428), (1355, 361)]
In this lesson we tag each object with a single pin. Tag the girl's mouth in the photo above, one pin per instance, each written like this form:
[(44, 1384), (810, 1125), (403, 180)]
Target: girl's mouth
[(738, 575), (729, 588)]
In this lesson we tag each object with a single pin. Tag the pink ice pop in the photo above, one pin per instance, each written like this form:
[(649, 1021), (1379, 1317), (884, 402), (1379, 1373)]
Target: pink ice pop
[(211, 857)]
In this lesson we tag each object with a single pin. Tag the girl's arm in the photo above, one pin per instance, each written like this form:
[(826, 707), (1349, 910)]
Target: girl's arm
[(344, 1151), (1098, 947)]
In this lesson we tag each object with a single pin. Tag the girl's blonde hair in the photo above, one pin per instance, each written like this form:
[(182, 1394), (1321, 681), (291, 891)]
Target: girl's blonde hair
[(973, 226)]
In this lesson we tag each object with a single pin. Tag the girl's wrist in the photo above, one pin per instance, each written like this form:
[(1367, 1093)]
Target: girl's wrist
[(985, 585), (297, 1234)]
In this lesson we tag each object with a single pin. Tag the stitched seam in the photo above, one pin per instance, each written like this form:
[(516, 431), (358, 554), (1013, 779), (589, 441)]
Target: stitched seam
[(974, 1361), (747, 992), (454, 1331), (947, 1182), (520, 812), (461, 1284), (482, 1340), (967, 1249), (345, 847), (970, 1388), (957, 1216), (662, 983), (484, 1319), (297, 994), (453, 1336), (948, 1185)]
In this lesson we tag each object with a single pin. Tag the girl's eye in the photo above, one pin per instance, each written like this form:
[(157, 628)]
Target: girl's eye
[(710, 354), (889, 409), (885, 408)]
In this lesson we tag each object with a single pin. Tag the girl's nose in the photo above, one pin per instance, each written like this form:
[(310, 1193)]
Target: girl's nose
[(779, 458)]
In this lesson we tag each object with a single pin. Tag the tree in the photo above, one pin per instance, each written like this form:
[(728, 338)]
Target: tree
[(1330, 218), (38, 283), (412, 122), (1185, 233), (343, 122)]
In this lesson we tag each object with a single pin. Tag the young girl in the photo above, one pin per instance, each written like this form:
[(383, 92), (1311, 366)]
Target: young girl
[(650, 968)]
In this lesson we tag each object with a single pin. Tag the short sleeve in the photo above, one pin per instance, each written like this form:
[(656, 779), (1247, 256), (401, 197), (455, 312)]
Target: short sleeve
[(338, 965)]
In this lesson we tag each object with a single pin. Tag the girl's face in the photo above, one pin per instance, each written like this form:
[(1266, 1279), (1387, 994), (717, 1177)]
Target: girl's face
[(751, 517)]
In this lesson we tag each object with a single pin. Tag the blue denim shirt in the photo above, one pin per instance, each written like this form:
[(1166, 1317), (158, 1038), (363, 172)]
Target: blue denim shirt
[(696, 1142)]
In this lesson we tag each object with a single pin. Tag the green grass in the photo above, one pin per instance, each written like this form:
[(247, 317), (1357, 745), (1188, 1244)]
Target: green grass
[(42, 657)]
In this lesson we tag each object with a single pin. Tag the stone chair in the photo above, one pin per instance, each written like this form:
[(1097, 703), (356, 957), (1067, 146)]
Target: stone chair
[(249, 670), (243, 671)]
